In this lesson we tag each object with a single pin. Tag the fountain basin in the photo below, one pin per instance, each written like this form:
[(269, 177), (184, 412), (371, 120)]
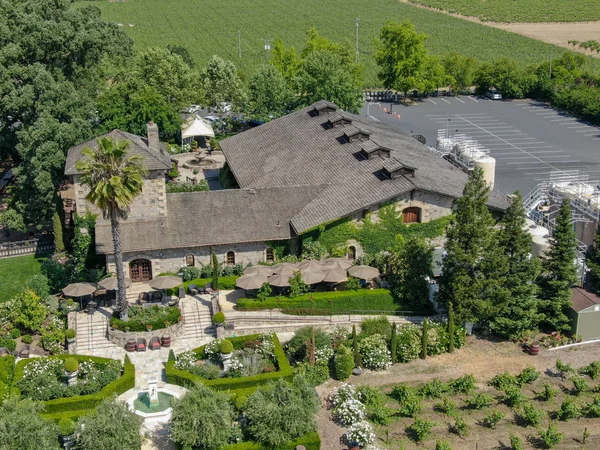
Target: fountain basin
[(142, 403), (196, 163)]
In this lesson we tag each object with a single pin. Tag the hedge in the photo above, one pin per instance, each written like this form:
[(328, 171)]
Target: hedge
[(66, 407), (138, 325), (335, 302), (188, 379), (225, 283), (7, 369), (311, 441)]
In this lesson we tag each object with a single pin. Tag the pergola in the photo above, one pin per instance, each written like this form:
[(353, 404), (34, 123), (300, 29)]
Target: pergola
[(195, 126)]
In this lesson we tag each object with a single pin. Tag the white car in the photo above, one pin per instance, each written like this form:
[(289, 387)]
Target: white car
[(211, 118), (493, 94)]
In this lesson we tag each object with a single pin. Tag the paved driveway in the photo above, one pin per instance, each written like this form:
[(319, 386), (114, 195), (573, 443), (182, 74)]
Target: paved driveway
[(528, 139)]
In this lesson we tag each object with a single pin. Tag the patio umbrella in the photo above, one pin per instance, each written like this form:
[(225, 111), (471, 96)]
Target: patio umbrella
[(284, 268), (331, 263), (312, 276), (251, 282), (165, 282), (80, 289), (310, 265), (363, 272), (281, 280), (259, 270), (335, 275), (110, 283)]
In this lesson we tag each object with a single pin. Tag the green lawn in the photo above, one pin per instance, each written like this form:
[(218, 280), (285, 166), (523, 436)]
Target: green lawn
[(521, 10), (209, 28), (14, 273)]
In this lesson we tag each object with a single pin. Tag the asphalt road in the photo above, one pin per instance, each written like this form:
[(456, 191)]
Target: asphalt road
[(528, 139)]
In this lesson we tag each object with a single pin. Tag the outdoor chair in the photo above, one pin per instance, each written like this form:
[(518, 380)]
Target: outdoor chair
[(24, 352), (142, 296), (174, 301), (141, 345), (193, 289), (157, 297), (155, 343)]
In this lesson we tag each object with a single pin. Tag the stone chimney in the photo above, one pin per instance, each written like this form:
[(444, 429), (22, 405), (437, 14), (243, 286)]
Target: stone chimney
[(153, 139)]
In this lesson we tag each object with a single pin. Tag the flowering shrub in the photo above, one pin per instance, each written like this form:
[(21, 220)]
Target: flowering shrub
[(362, 433), (324, 354), (345, 392), (213, 350), (265, 346), (349, 412), (408, 343), (185, 360), (236, 369), (374, 352)]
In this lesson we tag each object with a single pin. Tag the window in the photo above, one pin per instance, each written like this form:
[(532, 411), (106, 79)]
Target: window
[(190, 261), (411, 215), (270, 256), (230, 258), (351, 254)]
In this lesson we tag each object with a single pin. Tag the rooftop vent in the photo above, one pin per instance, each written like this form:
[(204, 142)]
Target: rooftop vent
[(337, 120), (323, 107), (392, 168), (371, 148), (352, 134)]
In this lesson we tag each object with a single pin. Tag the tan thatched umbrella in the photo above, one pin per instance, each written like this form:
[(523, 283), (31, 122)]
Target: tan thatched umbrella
[(284, 268), (363, 272), (312, 276), (80, 289), (110, 283), (335, 275), (165, 282), (331, 263), (281, 280), (251, 282), (310, 265), (259, 270)]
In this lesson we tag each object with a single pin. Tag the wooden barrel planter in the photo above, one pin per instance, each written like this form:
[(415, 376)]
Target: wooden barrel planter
[(166, 341), (534, 348), (131, 345)]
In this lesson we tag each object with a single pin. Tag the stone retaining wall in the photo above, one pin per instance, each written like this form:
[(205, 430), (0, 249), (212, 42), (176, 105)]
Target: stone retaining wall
[(120, 338)]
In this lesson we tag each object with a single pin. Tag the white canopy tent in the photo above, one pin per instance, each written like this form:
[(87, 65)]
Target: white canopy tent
[(195, 126)]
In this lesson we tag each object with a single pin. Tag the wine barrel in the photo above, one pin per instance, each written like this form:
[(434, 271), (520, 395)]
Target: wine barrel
[(534, 348), (131, 345), (166, 341)]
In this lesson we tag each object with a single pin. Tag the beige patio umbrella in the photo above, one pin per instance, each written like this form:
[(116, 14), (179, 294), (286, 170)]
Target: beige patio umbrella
[(335, 275), (363, 272), (110, 283), (259, 270), (312, 276), (310, 265), (331, 263), (165, 282), (281, 280), (284, 268), (251, 282), (79, 289)]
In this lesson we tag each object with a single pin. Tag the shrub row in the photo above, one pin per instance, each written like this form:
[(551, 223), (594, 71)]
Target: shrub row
[(325, 303), (225, 282), (187, 379), (311, 441), (7, 369), (138, 325), (61, 407)]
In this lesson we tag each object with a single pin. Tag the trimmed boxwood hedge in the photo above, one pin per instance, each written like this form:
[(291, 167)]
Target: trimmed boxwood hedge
[(76, 406), (335, 302), (187, 379), (225, 283), (311, 441)]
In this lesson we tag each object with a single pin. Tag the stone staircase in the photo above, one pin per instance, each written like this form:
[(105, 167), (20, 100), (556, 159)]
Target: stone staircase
[(197, 320), (92, 332)]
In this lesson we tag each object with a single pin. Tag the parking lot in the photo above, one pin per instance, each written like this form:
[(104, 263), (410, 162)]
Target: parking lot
[(528, 139)]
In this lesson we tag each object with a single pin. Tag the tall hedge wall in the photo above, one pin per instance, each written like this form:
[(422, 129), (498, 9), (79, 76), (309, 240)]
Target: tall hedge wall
[(311, 441)]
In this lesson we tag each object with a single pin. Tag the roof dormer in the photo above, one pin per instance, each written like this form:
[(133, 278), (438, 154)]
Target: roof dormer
[(392, 168), (352, 134), (371, 148), (323, 107), (337, 120)]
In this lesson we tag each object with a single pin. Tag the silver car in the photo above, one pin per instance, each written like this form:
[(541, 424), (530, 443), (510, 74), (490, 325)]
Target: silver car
[(493, 94)]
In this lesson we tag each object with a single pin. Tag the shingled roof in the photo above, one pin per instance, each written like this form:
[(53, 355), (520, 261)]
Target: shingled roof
[(299, 149), (213, 218), (151, 159)]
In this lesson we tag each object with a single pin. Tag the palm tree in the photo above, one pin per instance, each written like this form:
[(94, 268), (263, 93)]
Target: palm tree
[(114, 180)]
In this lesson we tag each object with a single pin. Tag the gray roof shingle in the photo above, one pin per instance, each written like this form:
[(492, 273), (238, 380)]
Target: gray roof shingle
[(213, 218), (151, 159), (298, 150)]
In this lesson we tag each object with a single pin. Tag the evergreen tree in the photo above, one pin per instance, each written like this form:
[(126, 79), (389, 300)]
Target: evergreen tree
[(393, 343), (411, 267), (559, 273), (593, 263), (451, 332), (517, 312), (59, 245), (357, 357), (467, 245), (424, 339), (215, 271)]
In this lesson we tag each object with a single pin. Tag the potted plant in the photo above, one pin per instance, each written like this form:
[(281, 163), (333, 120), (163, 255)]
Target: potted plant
[(71, 367), (226, 349), (219, 319), (70, 335), (67, 431)]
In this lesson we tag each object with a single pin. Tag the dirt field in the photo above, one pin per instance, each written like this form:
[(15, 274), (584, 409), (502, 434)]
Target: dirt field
[(483, 359)]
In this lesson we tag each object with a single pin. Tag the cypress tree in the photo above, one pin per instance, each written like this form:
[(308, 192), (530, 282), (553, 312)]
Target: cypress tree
[(593, 263), (516, 306), (215, 272), (59, 245), (559, 273), (357, 358), (451, 332), (467, 246), (424, 332), (393, 344)]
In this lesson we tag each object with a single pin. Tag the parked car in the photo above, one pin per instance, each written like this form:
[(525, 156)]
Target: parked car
[(493, 94)]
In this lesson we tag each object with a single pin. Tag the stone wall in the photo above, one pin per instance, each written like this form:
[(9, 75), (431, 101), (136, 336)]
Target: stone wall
[(120, 338), (152, 202)]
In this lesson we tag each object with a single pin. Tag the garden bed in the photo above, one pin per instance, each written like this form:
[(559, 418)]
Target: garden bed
[(310, 441), (186, 378), (147, 319), (225, 282), (377, 301)]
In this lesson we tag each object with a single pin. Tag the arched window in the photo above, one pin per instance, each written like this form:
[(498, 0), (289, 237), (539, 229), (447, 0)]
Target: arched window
[(411, 215), (190, 261), (270, 256), (351, 254), (230, 258)]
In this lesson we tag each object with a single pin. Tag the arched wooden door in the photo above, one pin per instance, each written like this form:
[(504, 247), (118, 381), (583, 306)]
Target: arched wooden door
[(351, 254), (140, 270), (410, 215)]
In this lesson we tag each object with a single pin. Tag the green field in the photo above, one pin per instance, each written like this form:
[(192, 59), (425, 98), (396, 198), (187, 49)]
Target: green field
[(208, 27), (521, 10), (14, 273)]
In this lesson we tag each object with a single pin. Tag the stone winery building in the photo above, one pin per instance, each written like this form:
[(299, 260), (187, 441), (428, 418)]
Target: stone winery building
[(311, 167)]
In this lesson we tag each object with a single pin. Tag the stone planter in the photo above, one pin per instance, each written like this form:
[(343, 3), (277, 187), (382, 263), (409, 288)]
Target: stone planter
[(72, 377), (120, 338), (357, 371), (71, 340), (226, 357)]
